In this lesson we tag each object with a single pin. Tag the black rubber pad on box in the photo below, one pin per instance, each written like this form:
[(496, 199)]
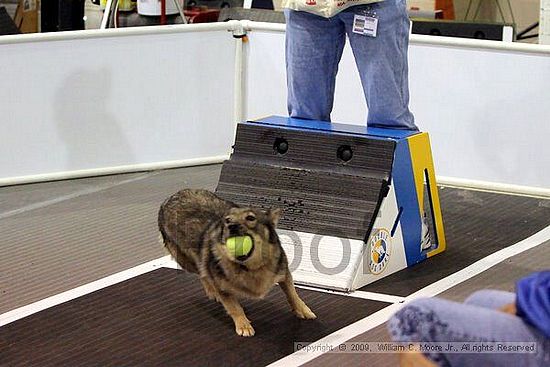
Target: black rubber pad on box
[(326, 183)]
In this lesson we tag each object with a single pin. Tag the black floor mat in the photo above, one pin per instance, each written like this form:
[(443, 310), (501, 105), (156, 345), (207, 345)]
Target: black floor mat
[(163, 318)]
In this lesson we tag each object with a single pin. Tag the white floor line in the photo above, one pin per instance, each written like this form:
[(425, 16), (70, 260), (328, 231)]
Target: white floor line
[(71, 294), (171, 263), (358, 294), (377, 318), (89, 190)]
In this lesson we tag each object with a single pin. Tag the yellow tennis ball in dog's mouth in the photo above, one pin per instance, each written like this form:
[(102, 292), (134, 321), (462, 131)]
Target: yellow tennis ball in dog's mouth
[(239, 245)]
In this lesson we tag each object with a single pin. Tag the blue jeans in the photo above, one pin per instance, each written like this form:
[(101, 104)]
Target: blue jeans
[(314, 47), (475, 320)]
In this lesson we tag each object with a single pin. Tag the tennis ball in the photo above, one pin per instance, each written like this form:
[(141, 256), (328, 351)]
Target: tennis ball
[(239, 245)]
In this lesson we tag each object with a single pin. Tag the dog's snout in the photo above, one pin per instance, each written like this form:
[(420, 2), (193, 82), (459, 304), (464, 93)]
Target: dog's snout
[(233, 227)]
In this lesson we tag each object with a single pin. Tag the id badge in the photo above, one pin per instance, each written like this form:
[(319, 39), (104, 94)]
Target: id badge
[(365, 24)]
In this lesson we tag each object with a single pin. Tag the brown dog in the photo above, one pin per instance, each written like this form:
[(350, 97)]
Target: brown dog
[(195, 225)]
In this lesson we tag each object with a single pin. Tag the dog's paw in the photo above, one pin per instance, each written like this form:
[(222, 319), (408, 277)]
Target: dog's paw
[(243, 328), (213, 296), (304, 312)]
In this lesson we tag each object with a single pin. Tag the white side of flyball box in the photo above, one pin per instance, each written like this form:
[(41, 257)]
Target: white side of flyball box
[(346, 264)]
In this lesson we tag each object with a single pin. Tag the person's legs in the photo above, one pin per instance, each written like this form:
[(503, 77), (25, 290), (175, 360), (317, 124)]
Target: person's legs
[(313, 50), (383, 64), (439, 320), (490, 298)]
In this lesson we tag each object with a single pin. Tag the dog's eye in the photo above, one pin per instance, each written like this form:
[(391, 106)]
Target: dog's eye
[(250, 218)]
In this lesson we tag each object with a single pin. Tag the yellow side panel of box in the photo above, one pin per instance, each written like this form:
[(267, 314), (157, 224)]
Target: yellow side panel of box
[(422, 161)]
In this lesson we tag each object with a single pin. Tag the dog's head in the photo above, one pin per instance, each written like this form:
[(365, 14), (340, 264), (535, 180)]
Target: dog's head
[(260, 226)]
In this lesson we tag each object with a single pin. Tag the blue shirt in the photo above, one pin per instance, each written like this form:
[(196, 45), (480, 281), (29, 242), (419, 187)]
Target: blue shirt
[(533, 300)]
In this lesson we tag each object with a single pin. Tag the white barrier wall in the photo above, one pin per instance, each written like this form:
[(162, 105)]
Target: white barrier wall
[(104, 101), (487, 111), (164, 96)]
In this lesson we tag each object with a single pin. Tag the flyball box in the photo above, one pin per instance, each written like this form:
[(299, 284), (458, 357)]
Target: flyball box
[(358, 203)]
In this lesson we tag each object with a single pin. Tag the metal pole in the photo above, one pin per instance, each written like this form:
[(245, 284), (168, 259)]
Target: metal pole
[(468, 9), (106, 14), (511, 12), (115, 21), (162, 12), (239, 96), (180, 10), (500, 11)]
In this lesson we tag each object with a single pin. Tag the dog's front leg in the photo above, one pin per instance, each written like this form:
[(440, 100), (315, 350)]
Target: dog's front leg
[(298, 306), (209, 289), (235, 310)]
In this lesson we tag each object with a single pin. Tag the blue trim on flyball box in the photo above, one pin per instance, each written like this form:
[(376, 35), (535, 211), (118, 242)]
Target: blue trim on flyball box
[(332, 127), (407, 198)]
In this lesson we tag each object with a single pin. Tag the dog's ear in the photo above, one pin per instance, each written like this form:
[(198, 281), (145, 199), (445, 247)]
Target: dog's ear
[(274, 215)]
